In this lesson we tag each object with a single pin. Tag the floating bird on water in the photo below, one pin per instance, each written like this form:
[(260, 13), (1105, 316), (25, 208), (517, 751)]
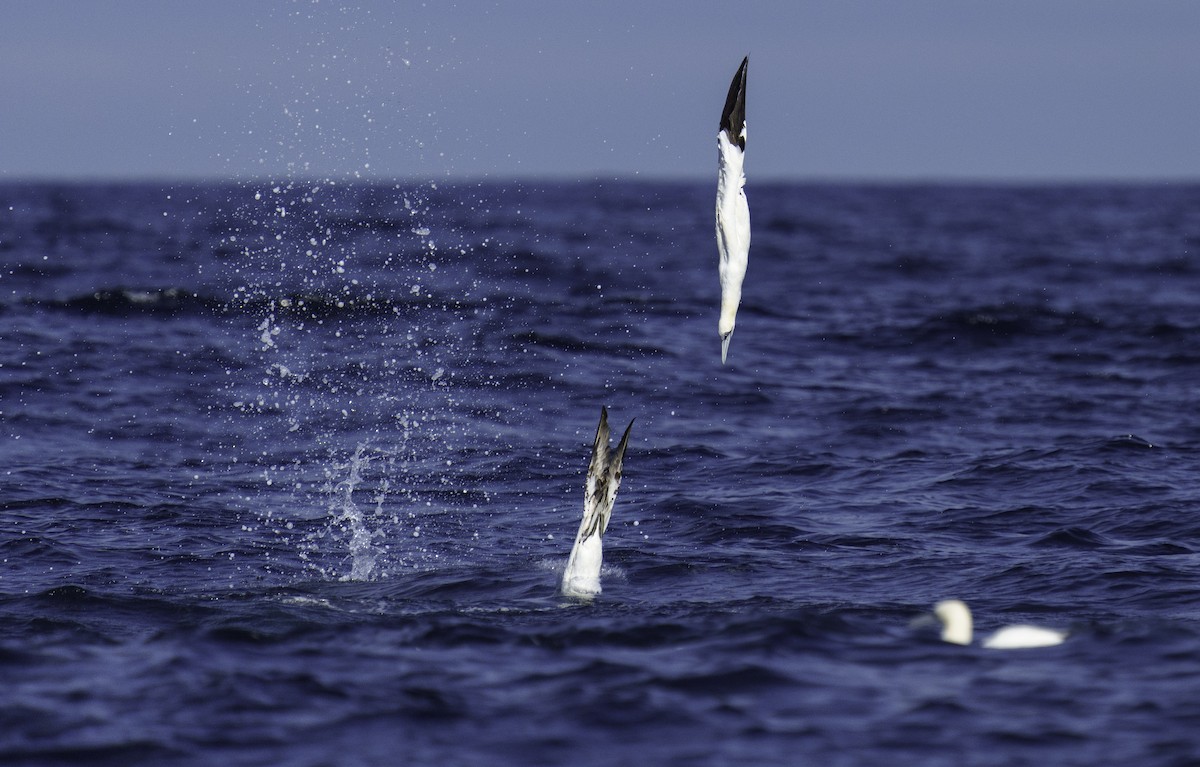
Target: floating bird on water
[(582, 576), (957, 629), (733, 212)]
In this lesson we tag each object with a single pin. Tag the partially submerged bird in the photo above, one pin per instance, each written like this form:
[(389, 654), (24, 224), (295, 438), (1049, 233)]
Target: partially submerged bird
[(955, 617), (733, 212), (582, 576)]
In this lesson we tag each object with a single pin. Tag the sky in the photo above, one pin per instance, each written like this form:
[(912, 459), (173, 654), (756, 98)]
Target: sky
[(1041, 90)]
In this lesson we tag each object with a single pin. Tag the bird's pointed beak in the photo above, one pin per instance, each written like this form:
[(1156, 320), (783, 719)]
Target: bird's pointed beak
[(725, 346)]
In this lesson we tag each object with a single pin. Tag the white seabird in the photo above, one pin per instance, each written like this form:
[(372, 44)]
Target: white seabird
[(957, 629), (582, 576), (733, 212)]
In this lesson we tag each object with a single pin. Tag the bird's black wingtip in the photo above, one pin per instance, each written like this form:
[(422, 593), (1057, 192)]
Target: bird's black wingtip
[(733, 116)]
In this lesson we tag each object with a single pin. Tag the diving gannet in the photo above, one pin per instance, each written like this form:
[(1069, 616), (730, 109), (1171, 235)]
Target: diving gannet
[(582, 576), (733, 212), (957, 629)]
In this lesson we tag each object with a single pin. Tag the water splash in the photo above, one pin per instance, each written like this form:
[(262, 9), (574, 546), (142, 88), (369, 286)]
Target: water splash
[(355, 337), (347, 514), (360, 520)]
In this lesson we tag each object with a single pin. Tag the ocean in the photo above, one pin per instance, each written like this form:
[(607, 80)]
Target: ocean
[(289, 472)]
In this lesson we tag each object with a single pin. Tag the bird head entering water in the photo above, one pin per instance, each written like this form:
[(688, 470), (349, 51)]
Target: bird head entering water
[(581, 578)]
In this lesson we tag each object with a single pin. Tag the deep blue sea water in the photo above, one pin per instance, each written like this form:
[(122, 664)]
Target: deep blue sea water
[(288, 473)]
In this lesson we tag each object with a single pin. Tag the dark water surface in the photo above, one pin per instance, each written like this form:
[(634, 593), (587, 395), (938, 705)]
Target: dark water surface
[(288, 474)]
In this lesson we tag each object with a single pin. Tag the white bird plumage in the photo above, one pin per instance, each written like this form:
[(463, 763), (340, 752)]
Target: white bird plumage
[(582, 576), (957, 628), (733, 212)]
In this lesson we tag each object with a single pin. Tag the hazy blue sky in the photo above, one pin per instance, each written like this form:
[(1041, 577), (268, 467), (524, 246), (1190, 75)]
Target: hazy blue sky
[(1012, 89)]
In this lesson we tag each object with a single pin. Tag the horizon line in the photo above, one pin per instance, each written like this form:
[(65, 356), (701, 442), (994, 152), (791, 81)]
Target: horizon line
[(586, 178)]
